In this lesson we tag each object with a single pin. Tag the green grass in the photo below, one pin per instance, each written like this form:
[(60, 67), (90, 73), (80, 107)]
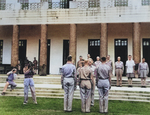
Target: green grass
[(48, 106)]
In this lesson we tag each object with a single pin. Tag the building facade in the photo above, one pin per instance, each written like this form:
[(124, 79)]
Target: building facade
[(51, 30)]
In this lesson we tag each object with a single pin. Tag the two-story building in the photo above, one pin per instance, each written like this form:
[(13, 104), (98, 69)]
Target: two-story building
[(51, 30)]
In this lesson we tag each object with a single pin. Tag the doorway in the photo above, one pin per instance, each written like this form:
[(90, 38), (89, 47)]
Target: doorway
[(94, 48), (65, 50), (121, 49), (146, 50), (22, 53)]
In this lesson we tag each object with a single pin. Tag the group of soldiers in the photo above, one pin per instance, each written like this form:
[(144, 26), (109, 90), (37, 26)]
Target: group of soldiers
[(89, 74)]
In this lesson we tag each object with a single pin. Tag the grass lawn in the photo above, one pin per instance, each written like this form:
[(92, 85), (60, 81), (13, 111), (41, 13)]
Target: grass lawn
[(48, 106)]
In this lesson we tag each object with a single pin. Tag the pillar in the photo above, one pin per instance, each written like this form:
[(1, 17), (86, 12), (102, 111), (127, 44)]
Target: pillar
[(103, 40), (72, 43), (43, 50), (136, 42), (15, 46)]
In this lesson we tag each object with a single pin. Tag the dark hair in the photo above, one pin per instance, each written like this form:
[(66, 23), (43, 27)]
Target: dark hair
[(103, 59), (143, 58), (69, 58), (129, 55), (80, 56)]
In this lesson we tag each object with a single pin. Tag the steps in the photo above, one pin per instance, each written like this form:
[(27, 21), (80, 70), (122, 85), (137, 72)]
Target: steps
[(50, 87)]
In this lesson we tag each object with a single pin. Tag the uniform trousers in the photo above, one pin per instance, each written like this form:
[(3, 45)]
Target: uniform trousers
[(68, 84), (92, 91), (143, 73), (103, 90), (29, 82)]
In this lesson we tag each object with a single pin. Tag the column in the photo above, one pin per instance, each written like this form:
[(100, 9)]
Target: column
[(72, 43), (43, 50), (15, 46), (136, 42), (103, 40)]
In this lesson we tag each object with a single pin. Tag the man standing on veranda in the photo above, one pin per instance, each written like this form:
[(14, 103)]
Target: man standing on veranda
[(103, 82), (68, 83)]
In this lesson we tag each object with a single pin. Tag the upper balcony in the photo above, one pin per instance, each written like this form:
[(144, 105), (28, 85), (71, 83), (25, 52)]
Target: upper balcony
[(24, 12)]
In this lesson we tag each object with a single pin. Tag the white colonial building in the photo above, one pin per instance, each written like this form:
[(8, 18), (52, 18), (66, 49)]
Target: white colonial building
[(50, 30)]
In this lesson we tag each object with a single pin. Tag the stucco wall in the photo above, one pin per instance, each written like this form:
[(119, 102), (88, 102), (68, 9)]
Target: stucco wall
[(57, 33), (6, 36)]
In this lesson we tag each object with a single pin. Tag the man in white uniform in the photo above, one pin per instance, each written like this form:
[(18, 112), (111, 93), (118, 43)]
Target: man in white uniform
[(130, 69)]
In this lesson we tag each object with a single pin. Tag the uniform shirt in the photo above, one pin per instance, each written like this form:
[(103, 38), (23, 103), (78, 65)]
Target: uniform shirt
[(102, 72), (97, 63), (109, 63), (119, 65), (130, 64), (68, 70), (143, 66), (92, 68), (85, 73)]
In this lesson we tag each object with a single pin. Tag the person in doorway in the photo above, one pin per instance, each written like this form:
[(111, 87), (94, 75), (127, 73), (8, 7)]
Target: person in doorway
[(143, 71), (35, 62), (130, 70), (10, 80), (28, 82), (68, 81), (26, 61), (109, 63), (119, 68), (81, 60), (103, 82), (85, 87), (19, 67), (93, 81), (88, 56), (97, 62)]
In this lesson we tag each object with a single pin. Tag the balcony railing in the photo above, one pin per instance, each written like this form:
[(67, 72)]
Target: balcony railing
[(121, 3), (145, 2), (58, 5), (66, 4), (30, 6), (4, 6)]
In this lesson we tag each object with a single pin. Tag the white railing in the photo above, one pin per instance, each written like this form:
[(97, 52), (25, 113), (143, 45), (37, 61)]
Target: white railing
[(49, 4)]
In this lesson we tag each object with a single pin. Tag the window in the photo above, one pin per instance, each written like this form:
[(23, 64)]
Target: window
[(121, 3), (1, 51), (23, 1), (146, 43), (94, 42), (121, 43), (145, 2), (2, 4)]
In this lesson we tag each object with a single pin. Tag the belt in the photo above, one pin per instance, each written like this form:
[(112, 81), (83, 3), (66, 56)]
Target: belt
[(118, 68), (143, 69), (103, 79), (69, 77), (28, 77)]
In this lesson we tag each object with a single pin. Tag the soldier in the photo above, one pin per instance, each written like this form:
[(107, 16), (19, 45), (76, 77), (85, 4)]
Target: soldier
[(98, 62), (68, 81), (80, 61), (93, 81), (143, 71), (119, 68), (85, 87), (130, 70), (103, 82), (110, 64)]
